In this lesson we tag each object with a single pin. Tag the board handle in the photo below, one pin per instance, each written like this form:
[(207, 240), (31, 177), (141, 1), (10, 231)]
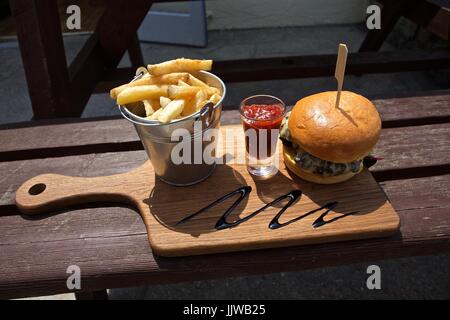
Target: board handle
[(48, 192)]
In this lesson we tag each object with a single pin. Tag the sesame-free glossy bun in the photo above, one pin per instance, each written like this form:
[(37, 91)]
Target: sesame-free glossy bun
[(342, 134)]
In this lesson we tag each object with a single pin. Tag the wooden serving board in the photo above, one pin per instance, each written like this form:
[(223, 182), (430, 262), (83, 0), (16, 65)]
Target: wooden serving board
[(162, 206)]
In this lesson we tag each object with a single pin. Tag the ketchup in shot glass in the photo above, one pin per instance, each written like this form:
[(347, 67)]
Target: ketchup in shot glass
[(261, 113)]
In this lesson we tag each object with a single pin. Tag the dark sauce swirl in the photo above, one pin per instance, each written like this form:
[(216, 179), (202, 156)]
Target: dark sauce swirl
[(243, 192)]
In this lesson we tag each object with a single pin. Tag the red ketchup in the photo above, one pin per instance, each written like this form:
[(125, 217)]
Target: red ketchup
[(262, 116)]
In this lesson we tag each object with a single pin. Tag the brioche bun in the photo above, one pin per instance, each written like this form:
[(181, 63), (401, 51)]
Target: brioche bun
[(340, 135), (289, 154)]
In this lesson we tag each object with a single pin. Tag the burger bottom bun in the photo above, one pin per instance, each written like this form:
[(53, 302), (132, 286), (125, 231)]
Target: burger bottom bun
[(288, 155)]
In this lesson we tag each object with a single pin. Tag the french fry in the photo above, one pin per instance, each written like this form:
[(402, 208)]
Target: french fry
[(156, 104), (189, 107), (180, 92), (200, 100), (179, 65), (195, 104), (183, 84), (145, 80), (155, 115), (193, 81), (164, 101), (172, 110), (210, 91), (150, 106), (134, 94), (215, 98), (171, 78)]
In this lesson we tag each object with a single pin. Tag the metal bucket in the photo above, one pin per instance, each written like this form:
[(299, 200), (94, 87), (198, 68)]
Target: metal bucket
[(157, 138)]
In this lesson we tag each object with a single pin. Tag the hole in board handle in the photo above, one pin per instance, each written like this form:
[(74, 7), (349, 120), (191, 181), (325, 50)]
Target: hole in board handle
[(37, 189)]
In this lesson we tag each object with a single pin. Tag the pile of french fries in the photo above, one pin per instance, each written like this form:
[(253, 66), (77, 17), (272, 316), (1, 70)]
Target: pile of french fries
[(168, 91)]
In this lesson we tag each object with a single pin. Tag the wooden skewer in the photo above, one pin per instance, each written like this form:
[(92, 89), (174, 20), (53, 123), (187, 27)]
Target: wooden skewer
[(340, 70)]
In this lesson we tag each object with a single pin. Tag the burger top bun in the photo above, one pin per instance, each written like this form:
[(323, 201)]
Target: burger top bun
[(342, 134)]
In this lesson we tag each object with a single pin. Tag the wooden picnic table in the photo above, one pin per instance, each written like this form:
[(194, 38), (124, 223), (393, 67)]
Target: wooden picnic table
[(109, 241)]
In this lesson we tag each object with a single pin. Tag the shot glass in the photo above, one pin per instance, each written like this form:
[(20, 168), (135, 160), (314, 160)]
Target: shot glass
[(261, 117)]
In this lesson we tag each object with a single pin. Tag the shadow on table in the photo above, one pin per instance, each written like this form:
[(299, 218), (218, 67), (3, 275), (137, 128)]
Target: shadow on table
[(83, 206), (170, 204)]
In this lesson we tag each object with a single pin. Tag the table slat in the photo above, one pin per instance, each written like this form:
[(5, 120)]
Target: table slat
[(113, 133)]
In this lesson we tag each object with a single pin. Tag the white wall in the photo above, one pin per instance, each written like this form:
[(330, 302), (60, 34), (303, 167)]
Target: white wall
[(246, 14)]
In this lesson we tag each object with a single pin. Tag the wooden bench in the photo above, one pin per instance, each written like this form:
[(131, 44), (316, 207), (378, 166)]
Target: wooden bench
[(57, 89), (109, 242)]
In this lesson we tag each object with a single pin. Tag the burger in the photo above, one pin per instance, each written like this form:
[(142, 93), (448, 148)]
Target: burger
[(325, 143)]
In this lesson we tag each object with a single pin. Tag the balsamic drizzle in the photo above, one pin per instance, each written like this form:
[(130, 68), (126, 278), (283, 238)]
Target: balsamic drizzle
[(293, 196), (275, 224), (243, 192), (320, 220)]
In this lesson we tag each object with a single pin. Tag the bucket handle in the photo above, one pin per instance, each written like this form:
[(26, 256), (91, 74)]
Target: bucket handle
[(206, 114)]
